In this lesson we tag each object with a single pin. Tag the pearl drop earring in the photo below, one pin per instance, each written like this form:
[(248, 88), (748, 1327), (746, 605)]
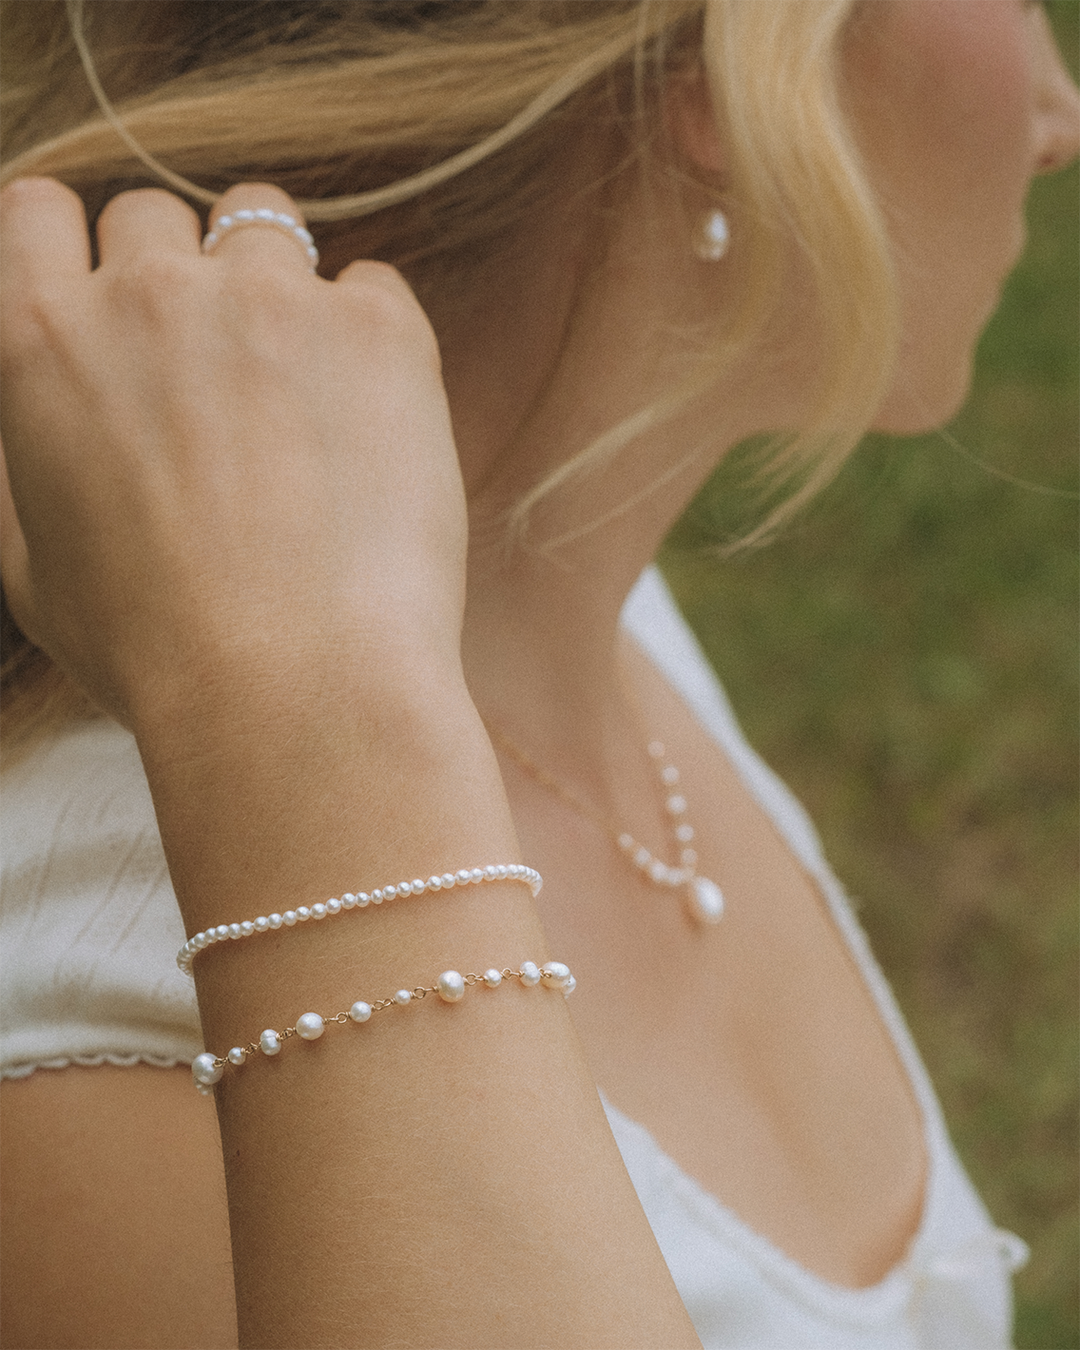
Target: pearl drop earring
[(712, 236)]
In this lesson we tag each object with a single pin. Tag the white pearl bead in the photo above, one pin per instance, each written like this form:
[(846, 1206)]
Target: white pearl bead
[(569, 987), (402, 997), (450, 986), (235, 931), (500, 872), (529, 974), (276, 920), (491, 873), (642, 857), (669, 775), (557, 973), (302, 913), (237, 1055), (262, 923), (318, 911), (676, 804), (493, 978), (418, 887), (706, 900), (449, 881), (270, 1042), (684, 833), (360, 1011), (627, 842), (289, 918), (363, 900), (247, 928), (377, 895), (310, 1026), (348, 900), (464, 877), (222, 931), (434, 883), (333, 906), (656, 749), (658, 871), (204, 1070), (476, 875), (224, 222)]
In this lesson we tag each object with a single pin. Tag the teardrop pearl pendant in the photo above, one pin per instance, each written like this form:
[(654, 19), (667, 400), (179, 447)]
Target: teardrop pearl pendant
[(712, 236), (704, 898)]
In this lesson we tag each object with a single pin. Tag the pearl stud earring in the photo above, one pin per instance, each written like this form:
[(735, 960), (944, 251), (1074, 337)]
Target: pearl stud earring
[(712, 236)]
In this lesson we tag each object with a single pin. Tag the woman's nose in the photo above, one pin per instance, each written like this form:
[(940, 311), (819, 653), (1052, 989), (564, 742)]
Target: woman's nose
[(1057, 109)]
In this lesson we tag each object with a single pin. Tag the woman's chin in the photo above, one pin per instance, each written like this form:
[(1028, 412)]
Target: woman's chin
[(921, 405)]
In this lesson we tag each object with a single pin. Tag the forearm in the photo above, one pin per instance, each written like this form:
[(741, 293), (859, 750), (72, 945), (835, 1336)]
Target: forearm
[(444, 1174)]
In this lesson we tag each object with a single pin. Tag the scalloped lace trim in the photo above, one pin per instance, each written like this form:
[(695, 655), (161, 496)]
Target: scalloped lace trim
[(90, 1062)]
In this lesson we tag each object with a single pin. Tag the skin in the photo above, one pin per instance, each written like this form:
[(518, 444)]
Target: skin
[(954, 120), (277, 698)]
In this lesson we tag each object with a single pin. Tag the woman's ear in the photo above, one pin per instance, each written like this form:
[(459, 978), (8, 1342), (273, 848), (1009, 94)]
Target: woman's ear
[(691, 121)]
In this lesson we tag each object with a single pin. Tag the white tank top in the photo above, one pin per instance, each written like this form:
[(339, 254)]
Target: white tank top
[(89, 929)]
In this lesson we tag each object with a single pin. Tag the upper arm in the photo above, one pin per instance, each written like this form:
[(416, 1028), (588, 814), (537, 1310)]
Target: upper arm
[(115, 1227)]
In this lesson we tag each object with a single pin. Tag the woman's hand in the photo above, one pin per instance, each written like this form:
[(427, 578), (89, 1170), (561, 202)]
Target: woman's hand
[(222, 468)]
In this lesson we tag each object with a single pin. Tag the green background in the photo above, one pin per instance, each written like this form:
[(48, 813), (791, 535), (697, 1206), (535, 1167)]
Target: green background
[(905, 656)]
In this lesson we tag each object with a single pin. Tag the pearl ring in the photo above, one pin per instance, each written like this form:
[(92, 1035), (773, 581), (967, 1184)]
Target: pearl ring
[(277, 220)]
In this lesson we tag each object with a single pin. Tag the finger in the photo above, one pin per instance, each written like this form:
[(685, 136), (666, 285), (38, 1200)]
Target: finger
[(146, 220), (43, 234), (231, 235), (14, 557)]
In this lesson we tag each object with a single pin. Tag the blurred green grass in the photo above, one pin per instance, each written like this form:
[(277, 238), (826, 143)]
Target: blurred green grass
[(906, 655)]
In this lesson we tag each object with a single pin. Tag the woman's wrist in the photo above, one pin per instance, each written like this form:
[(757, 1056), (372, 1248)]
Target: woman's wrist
[(270, 796)]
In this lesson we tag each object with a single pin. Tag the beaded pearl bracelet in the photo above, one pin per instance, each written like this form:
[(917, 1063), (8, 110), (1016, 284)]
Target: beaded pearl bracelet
[(206, 1069), (266, 923)]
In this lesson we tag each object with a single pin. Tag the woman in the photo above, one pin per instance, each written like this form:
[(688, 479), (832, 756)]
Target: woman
[(345, 557)]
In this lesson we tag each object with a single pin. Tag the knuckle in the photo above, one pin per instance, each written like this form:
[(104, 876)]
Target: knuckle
[(383, 303), (34, 192), (256, 193), (266, 296), (155, 281), (135, 200), (32, 325)]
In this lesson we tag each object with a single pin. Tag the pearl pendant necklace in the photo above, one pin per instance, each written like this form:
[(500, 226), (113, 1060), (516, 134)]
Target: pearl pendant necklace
[(704, 898)]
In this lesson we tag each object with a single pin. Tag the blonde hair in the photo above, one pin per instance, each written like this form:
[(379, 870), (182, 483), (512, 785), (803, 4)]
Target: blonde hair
[(445, 121)]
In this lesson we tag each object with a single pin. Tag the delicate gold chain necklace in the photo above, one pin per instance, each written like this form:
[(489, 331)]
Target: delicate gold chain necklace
[(704, 898)]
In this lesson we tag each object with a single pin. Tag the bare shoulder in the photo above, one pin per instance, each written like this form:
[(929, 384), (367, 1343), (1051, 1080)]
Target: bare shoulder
[(115, 1228)]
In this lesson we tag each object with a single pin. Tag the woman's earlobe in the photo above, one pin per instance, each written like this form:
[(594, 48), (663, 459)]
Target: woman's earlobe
[(691, 122)]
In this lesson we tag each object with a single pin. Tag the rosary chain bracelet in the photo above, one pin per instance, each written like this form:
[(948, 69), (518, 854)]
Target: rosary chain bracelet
[(266, 923), (206, 1069)]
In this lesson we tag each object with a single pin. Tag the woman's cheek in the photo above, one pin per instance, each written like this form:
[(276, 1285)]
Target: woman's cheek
[(943, 94)]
